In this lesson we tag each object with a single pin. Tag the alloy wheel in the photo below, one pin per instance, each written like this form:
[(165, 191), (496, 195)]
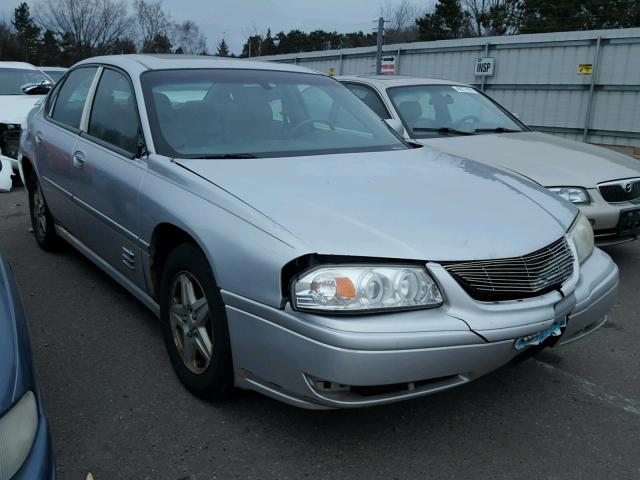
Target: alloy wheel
[(39, 211), (191, 322)]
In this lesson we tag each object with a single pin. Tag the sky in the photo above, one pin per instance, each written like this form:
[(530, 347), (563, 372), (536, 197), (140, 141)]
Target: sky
[(236, 19)]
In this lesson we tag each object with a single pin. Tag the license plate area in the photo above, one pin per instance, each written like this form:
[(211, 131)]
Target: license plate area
[(555, 330), (629, 223)]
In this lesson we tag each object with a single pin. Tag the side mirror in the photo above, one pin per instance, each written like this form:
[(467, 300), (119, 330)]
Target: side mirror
[(396, 126), (41, 88)]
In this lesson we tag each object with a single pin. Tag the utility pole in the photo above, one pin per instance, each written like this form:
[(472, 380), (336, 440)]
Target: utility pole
[(380, 41)]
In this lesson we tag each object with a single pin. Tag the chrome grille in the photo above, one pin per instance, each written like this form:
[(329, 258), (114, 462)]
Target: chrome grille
[(513, 278), (623, 191)]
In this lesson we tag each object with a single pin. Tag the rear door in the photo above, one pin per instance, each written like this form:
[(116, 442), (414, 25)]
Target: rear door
[(110, 175), (56, 136)]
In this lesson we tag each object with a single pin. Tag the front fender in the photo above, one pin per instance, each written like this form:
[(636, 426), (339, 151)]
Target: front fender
[(245, 249)]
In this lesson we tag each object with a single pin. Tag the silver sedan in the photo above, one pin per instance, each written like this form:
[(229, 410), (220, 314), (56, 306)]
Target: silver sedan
[(291, 243), (460, 120)]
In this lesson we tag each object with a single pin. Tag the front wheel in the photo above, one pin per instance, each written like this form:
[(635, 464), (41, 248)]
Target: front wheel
[(41, 219), (194, 324)]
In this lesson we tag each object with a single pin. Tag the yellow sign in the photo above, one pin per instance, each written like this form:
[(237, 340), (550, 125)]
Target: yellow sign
[(332, 72), (585, 69)]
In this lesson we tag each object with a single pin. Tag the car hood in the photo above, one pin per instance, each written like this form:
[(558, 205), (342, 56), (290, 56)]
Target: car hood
[(546, 159), (15, 108), (417, 204)]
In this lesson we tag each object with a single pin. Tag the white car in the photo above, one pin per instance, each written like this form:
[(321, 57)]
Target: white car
[(460, 120), (21, 86)]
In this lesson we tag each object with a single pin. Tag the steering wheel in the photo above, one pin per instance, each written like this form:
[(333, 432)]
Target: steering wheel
[(468, 118), (296, 130)]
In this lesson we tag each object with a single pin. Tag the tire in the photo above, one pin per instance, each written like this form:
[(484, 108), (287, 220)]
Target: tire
[(191, 308), (41, 219)]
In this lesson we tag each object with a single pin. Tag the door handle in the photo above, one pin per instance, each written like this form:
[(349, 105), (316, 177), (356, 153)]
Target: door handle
[(78, 159), (38, 137)]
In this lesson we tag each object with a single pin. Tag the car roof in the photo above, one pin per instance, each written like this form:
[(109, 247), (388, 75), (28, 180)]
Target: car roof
[(178, 61), (384, 81), (17, 65), (54, 69)]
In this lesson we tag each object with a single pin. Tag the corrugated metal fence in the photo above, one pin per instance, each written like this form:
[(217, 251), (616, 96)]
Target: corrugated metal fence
[(536, 76)]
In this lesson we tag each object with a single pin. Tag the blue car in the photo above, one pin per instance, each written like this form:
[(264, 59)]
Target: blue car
[(25, 442)]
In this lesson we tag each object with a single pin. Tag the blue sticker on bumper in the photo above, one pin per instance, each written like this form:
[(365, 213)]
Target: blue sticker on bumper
[(554, 330)]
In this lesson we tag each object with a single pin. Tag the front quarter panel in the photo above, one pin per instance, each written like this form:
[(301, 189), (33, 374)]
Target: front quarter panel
[(27, 139), (246, 250)]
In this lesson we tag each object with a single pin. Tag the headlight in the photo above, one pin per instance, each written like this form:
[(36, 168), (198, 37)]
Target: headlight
[(576, 195), (18, 429), (581, 233), (353, 289)]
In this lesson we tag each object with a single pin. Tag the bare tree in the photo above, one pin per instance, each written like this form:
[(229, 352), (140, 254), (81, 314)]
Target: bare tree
[(494, 17), (93, 26), (189, 39), (401, 21), (153, 21)]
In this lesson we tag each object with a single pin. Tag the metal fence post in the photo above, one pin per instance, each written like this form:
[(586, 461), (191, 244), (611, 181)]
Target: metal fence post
[(594, 75), (397, 72), (379, 43), (484, 78), (340, 65)]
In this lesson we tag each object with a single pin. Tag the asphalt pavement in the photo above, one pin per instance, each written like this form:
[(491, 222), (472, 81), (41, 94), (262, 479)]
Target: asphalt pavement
[(117, 410)]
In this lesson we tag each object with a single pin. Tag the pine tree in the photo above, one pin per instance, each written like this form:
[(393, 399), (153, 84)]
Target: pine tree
[(28, 32), (449, 20), (49, 50), (159, 44), (223, 48)]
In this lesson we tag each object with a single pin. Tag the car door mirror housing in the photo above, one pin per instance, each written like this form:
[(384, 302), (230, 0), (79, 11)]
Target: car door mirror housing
[(41, 88), (396, 126)]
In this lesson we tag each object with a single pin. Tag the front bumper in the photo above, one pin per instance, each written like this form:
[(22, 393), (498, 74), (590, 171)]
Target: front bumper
[(333, 362), (605, 219), (12, 161)]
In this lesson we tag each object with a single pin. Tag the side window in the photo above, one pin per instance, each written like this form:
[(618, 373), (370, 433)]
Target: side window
[(370, 98), (71, 97), (114, 118)]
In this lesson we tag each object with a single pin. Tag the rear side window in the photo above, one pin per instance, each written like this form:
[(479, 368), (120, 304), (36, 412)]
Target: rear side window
[(72, 96), (370, 98), (114, 118)]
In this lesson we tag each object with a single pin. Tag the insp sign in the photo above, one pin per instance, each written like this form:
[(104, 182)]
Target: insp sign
[(485, 67)]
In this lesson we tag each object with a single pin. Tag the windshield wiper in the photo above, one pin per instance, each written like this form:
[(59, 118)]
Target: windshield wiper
[(222, 156), (443, 130), (497, 130)]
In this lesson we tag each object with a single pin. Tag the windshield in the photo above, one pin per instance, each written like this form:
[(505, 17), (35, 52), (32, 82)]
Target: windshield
[(55, 74), (255, 113), (11, 79), (435, 110)]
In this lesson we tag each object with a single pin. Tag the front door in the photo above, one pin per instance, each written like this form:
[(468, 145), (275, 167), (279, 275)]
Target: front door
[(110, 174)]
